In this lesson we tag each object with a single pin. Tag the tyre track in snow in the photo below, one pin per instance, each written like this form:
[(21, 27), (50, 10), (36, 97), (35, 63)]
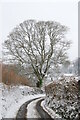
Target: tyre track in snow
[(23, 110)]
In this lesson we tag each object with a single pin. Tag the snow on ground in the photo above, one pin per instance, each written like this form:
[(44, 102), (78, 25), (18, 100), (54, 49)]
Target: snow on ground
[(69, 75), (14, 97), (12, 111), (0, 100), (31, 110)]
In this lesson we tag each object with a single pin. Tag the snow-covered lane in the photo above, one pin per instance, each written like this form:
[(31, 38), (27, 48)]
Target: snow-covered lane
[(13, 97), (15, 107), (31, 110)]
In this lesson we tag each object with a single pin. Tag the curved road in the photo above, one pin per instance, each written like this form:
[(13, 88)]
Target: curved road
[(23, 110), (42, 112)]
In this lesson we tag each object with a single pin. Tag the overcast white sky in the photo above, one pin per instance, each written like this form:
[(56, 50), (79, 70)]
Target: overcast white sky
[(65, 12)]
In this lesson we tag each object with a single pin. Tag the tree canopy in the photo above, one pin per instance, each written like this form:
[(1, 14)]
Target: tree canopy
[(38, 44)]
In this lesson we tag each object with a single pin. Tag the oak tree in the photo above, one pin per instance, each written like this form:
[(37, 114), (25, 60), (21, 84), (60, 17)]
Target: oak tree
[(39, 45)]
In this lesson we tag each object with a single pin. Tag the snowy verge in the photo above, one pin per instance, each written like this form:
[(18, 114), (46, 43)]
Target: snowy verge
[(1, 100), (0, 104), (13, 97), (49, 111), (15, 107)]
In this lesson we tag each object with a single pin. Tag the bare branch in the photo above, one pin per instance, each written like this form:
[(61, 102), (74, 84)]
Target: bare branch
[(41, 43)]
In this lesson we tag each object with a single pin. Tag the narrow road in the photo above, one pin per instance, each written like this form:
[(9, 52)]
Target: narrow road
[(42, 112), (23, 110)]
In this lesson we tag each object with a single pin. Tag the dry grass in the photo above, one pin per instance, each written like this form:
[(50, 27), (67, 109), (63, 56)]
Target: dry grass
[(10, 77)]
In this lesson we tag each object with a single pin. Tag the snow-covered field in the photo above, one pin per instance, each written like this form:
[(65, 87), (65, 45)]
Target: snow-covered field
[(12, 98)]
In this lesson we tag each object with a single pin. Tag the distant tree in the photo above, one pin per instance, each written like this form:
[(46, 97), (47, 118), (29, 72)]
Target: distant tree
[(66, 67), (76, 66), (38, 44)]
